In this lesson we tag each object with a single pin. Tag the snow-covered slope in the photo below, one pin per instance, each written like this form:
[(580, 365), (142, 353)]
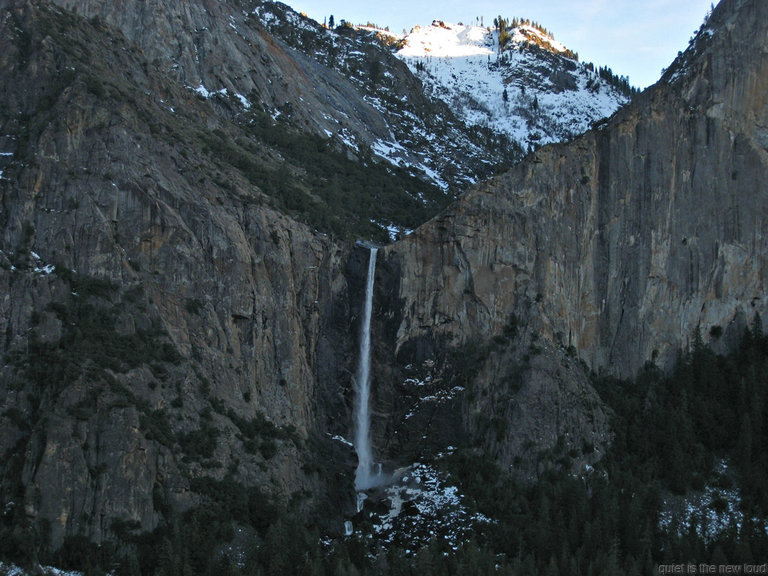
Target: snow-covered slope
[(440, 92), (416, 131), (533, 90)]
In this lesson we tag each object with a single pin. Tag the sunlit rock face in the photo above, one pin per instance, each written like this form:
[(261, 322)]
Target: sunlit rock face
[(613, 250), (625, 241), (157, 326)]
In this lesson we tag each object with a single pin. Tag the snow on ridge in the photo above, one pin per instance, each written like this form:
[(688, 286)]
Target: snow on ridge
[(533, 98), (380, 31), (447, 41), (274, 13), (522, 34), (458, 40)]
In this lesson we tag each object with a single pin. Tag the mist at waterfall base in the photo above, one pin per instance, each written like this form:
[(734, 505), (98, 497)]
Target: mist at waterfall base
[(368, 473)]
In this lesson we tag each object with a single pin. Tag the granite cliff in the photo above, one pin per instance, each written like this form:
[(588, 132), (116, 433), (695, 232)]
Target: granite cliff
[(174, 323), (615, 249), (161, 322), (345, 84)]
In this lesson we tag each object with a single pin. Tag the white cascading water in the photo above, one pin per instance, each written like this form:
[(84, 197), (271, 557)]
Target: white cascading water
[(364, 477)]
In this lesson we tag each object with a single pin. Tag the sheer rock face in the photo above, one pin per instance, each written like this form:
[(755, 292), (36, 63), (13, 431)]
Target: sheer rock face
[(625, 241), (347, 86), (223, 45), (170, 303), (616, 248)]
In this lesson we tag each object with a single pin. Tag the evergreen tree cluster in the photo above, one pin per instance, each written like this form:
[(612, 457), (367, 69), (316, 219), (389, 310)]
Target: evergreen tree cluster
[(500, 23), (504, 25), (670, 429), (669, 432), (319, 193), (621, 83)]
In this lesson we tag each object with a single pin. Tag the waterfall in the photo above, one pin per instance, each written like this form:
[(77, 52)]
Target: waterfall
[(361, 497), (364, 477)]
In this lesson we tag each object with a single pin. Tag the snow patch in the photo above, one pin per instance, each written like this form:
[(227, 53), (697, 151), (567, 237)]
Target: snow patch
[(243, 100), (202, 91), (47, 269), (423, 505), (13, 570), (348, 139), (205, 93), (342, 440), (507, 91), (5, 156)]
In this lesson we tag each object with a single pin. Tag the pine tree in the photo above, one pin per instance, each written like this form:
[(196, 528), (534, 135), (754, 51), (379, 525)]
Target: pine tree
[(132, 567), (504, 36), (552, 569), (745, 446)]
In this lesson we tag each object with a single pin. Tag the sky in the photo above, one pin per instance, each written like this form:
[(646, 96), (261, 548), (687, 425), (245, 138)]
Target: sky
[(635, 38)]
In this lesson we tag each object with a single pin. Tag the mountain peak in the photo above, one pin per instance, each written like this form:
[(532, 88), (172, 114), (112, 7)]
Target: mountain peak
[(733, 25), (441, 39), (448, 40), (515, 80)]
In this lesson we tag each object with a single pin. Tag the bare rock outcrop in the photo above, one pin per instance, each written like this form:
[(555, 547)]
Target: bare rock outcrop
[(627, 240), (224, 46), (607, 252), (161, 323)]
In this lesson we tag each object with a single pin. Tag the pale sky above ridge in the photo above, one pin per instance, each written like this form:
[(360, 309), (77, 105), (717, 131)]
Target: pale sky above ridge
[(635, 38)]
